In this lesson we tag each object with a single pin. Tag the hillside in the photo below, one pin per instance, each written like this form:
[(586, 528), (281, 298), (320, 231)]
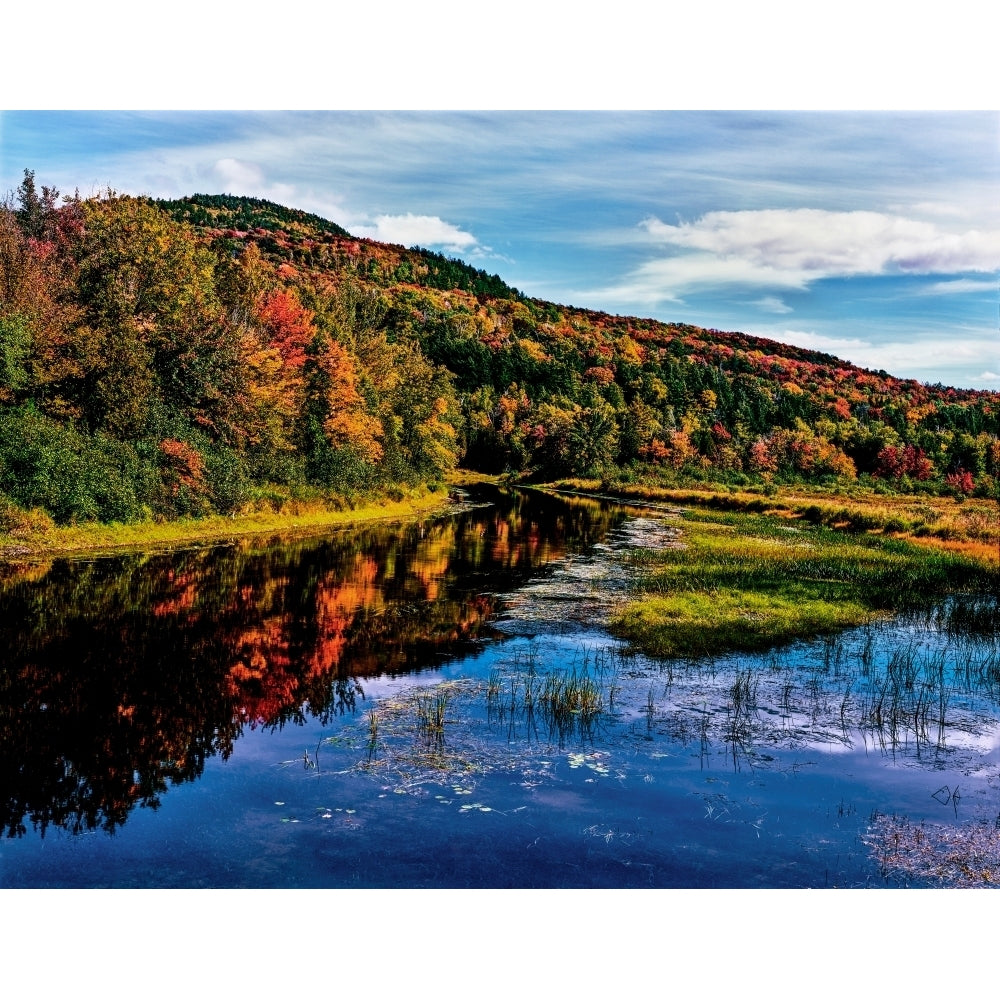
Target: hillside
[(215, 352)]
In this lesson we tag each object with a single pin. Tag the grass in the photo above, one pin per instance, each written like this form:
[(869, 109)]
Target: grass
[(430, 716), (39, 537), (750, 581), (566, 703), (697, 624), (969, 526)]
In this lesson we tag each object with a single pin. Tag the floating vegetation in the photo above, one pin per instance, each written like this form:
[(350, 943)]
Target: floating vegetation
[(406, 733), (962, 856), (586, 589)]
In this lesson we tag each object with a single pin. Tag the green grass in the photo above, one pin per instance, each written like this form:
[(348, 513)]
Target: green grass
[(751, 582), (692, 624), (36, 535)]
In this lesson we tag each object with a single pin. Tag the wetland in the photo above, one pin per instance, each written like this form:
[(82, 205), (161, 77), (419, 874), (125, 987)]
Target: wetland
[(480, 700)]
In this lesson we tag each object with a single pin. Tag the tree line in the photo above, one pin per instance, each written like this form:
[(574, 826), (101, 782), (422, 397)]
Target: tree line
[(162, 359)]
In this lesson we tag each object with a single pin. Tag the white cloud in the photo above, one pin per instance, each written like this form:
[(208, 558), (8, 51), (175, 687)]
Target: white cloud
[(987, 377), (238, 174), (244, 177), (807, 243), (424, 230), (772, 304), (941, 209), (959, 286), (843, 347), (665, 279)]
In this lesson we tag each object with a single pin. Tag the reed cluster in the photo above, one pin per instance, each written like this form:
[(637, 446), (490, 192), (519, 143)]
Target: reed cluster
[(566, 704)]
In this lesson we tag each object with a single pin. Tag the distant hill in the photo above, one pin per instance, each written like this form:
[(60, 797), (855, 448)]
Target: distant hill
[(294, 235), (236, 212), (177, 357)]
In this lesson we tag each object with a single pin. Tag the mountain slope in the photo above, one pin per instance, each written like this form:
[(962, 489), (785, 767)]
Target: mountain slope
[(214, 352), (682, 397)]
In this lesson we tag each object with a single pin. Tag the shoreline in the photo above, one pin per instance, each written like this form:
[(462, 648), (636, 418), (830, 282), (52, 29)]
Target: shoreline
[(833, 509), (95, 539), (966, 527)]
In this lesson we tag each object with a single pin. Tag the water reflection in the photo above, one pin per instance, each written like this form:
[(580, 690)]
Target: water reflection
[(123, 675)]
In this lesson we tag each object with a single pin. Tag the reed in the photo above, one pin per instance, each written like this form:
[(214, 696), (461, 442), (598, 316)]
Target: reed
[(430, 712), (372, 734), (568, 703)]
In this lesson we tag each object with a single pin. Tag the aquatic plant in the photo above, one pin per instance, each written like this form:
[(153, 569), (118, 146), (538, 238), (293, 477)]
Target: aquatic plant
[(750, 582), (956, 856), (430, 715), (372, 734), (571, 703)]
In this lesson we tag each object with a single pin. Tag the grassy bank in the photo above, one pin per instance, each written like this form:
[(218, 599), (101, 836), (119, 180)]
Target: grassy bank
[(750, 581), (34, 534), (969, 526)]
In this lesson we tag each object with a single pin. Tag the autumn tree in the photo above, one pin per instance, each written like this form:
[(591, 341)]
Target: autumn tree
[(147, 285)]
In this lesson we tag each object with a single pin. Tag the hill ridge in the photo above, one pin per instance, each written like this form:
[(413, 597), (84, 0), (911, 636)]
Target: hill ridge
[(185, 356)]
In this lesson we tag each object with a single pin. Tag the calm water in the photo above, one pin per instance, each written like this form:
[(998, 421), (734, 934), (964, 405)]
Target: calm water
[(262, 714)]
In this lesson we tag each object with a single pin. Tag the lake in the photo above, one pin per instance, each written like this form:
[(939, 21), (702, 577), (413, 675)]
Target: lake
[(440, 705)]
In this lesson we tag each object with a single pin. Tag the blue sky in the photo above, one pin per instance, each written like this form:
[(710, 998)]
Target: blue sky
[(874, 236)]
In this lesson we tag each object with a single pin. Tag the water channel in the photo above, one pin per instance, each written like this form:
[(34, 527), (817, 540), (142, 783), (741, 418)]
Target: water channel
[(373, 708)]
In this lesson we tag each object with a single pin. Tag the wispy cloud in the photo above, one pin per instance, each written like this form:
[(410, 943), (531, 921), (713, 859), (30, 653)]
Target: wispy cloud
[(772, 304), (925, 357), (959, 286), (244, 177), (666, 279)]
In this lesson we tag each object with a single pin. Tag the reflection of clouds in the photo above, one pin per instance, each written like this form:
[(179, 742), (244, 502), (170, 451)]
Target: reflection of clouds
[(955, 739), (976, 740)]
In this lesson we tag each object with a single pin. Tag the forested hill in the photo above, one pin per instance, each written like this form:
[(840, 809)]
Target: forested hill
[(218, 353), (288, 235)]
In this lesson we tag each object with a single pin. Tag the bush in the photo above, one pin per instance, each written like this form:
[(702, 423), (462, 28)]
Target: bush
[(71, 476), (20, 523), (228, 482)]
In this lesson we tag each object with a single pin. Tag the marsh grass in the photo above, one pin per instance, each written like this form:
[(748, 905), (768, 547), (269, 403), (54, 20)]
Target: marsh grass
[(741, 714), (372, 734), (750, 582), (430, 712), (939, 521), (565, 703)]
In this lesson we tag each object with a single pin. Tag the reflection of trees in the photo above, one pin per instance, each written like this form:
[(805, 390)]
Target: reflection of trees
[(124, 675)]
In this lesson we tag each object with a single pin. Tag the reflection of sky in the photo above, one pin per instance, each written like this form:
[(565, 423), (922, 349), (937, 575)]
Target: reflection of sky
[(872, 236)]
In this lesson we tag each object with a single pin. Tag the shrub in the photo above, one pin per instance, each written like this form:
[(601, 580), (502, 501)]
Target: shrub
[(71, 476)]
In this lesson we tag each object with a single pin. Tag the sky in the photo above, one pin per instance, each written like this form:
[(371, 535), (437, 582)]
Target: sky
[(873, 236)]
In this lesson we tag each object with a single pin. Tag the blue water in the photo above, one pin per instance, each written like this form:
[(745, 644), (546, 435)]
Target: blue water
[(661, 791)]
